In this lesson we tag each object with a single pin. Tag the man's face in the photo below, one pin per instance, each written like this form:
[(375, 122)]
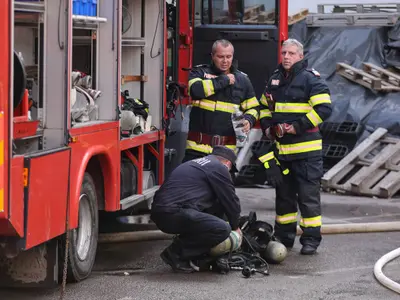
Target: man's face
[(227, 164), (290, 55), (223, 57)]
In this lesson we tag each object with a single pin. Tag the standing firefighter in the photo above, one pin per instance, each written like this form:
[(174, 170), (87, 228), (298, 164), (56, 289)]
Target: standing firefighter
[(218, 90), (296, 100)]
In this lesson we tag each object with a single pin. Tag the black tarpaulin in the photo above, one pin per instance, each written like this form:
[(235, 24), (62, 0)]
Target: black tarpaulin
[(327, 46)]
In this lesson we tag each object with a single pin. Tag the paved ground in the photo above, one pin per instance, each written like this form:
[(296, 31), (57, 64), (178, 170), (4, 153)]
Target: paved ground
[(343, 268)]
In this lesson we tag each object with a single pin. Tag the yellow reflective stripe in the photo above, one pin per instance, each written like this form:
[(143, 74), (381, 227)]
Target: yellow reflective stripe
[(215, 105), (208, 87), (285, 172), (204, 148), (287, 218), (263, 100), (193, 81), (314, 118), (319, 99), (226, 106), (253, 113), (292, 107), (299, 147), (265, 113), (249, 103), (266, 157), (205, 104), (311, 222)]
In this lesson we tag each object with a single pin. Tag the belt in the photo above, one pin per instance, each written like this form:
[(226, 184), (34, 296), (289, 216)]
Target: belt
[(315, 129), (212, 140)]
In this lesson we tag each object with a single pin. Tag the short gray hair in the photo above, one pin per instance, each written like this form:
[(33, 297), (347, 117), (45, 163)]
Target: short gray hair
[(223, 43), (294, 42)]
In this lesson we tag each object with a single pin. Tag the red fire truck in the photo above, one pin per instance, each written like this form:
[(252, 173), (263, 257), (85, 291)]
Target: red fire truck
[(88, 93)]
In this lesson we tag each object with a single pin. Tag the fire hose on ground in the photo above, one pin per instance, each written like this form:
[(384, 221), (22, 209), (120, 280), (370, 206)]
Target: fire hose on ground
[(151, 235)]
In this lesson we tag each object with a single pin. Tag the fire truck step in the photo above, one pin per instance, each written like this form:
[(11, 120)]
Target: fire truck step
[(136, 199)]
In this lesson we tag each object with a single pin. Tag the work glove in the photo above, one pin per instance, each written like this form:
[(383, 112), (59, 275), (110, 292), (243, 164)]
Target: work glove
[(273, 170)]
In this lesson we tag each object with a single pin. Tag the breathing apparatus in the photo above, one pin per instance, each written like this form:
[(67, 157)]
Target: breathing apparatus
[(251, 253)]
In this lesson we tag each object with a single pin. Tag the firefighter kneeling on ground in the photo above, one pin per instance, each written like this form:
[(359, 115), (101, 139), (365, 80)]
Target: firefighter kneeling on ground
[(296, 100), (192, 202)]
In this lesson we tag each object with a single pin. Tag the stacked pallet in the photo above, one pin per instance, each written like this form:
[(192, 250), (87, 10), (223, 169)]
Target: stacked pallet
[(371, 169), (371, 76), (258, 15), (381, 14)]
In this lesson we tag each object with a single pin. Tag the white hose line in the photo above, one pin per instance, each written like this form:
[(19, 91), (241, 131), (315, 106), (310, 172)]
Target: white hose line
[(394, 286), (152, 235)]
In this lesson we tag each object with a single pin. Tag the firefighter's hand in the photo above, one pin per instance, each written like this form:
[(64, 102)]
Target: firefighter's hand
[(290, 129), (246, 126), (231, 79), (270, 133)]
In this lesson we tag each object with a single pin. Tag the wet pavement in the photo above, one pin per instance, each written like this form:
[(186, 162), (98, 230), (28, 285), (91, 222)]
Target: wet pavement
[(342, 269)]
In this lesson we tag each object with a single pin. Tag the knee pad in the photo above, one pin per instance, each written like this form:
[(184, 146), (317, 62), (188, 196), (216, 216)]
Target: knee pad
[(231, 243)]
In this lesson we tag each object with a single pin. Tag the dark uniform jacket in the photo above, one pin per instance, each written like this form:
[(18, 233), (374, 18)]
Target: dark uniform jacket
[(214, 100), (301, 98), (201, 184)]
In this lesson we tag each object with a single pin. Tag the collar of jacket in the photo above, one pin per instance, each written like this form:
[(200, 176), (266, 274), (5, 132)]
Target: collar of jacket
[(296, 68)]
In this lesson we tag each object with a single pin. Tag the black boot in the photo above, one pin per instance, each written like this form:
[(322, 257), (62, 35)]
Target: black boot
[(308, 249), (171, 258)]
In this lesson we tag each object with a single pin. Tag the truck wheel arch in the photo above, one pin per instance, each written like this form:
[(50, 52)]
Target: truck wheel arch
[(109, 173)]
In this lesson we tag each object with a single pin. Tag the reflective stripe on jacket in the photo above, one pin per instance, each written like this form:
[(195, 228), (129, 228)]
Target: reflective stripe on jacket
[(214, 100), (300, 98)]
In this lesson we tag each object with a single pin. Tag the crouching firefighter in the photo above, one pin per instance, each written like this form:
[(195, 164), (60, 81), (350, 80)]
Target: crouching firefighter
[(295, 102), (192, 203)]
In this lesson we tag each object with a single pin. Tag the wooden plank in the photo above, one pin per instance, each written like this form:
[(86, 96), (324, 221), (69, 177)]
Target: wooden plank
[(360, 7), (266, 17), (390, 185), (253, 11), (370, 175), (358, 76), (386, 75), (297, 17), (353, 155), (365, 79), (355, 19), (133, 78), (334, 182)]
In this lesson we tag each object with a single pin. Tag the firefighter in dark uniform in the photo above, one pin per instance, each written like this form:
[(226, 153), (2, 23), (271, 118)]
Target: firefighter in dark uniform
[(217, 90), (192, 203), (296, 100)]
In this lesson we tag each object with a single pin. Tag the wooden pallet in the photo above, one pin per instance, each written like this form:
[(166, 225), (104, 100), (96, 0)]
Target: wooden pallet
[(253, 11), (265, 17), (360, 7), (381, 73), (371, 169), (365, 79), (352, 19), (297, 17)]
